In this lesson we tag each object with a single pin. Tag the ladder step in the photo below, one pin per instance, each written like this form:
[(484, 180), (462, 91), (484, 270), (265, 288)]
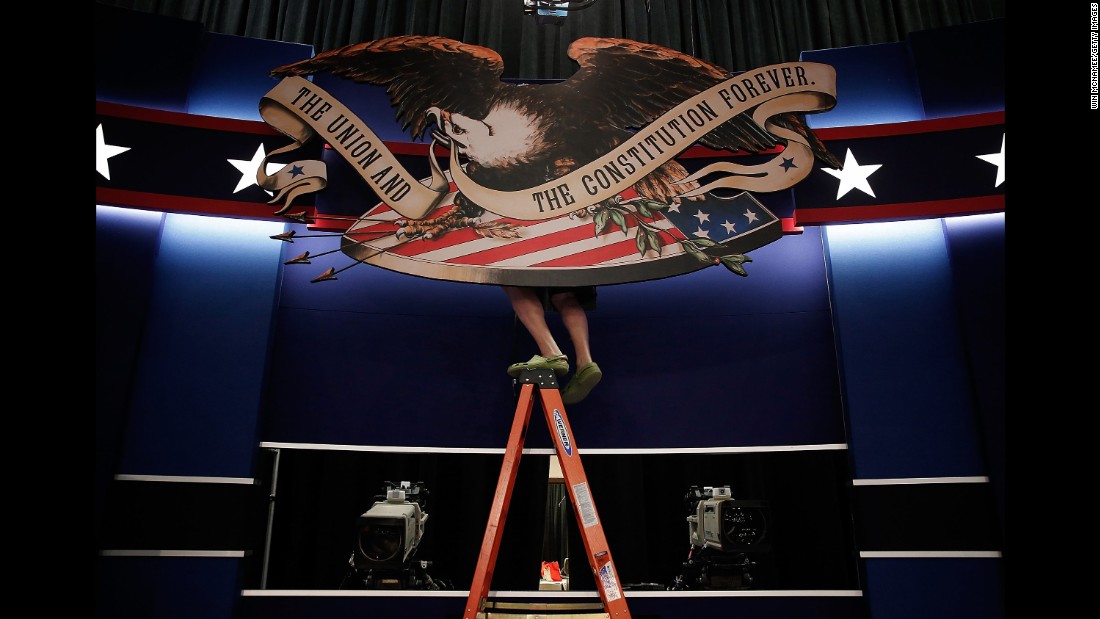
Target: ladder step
[(543, 610), (514, 614)]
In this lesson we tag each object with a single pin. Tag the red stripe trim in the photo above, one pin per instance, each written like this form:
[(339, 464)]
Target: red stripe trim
[(180, 119), (906, 210), (179, 204), (789, 226), (908, 128)]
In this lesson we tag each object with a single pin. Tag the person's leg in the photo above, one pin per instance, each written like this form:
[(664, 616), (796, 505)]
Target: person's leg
[(576, 323), (588, 373), (529, 310)]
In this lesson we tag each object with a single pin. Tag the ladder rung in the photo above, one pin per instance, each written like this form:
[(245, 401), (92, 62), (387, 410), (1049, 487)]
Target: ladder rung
[(518, 615), (543, 610), (545, 605)]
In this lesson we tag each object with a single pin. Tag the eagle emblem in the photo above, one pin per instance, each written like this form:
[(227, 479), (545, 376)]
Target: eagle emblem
[(598, 148)]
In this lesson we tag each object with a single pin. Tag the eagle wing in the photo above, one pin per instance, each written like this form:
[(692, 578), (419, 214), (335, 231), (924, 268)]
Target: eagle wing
[(418, 72), (633, 83)]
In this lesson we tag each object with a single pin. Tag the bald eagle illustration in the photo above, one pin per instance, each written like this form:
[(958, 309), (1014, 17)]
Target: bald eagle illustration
[(511, 136)]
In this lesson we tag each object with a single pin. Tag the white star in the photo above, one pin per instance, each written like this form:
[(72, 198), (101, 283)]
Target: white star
[(701, 232), (701, 216), (103, 152), (248, 168), (674, 207), (997, 159), (853, 176), (730, 228), (750, 215)]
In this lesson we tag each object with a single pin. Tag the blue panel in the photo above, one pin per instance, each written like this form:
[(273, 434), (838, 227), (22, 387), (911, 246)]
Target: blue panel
[(166, 588), (785, 276), (977, 247), (706, 359), (391, 379), (232, 74), (905, 376), (961, 69), (204, 358), (126, 245), (875, 84), (143, 59), (747, 380), (941, 588)]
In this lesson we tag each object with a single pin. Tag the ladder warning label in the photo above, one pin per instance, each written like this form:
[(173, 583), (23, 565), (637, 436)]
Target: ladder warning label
[(584, 504), (609, 583)]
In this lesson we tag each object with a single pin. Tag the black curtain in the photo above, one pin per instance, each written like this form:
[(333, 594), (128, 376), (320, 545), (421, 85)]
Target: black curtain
[(555, 543), (320, 494), (640, 500), (641, 504), (736, 34)]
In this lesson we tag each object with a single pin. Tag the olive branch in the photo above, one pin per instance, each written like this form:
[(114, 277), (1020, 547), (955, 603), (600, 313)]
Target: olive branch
[(648, 236)]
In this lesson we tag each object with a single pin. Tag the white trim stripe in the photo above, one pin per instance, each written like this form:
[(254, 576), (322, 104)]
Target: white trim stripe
[(719, 450), (550, 451), (187, 479), (559, 595), (219, 554), (920, 480), (930, 554)]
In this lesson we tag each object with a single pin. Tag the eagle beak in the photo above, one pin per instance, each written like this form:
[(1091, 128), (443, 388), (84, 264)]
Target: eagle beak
[(441, 119)]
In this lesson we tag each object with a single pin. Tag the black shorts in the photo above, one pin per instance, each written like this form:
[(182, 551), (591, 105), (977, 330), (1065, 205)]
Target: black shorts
[(586, 296)]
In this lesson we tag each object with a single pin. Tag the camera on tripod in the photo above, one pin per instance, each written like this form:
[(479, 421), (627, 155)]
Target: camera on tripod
[(722, 532), (388, 535)]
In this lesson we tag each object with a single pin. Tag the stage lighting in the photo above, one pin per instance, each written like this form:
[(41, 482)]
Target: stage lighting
[(553, 12)]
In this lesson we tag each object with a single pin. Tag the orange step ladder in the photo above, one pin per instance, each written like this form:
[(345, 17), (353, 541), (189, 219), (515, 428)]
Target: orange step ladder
[(613, 602)]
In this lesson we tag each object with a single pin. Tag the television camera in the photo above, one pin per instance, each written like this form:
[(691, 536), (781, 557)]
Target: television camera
[(722, 532), (387, 538)]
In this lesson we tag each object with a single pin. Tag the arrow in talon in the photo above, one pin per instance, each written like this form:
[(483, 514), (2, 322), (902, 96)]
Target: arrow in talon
[(327, 275), (287, 237), (302, 258)]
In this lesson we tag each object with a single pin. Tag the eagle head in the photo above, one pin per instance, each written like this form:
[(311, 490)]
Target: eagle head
[(509, 135)]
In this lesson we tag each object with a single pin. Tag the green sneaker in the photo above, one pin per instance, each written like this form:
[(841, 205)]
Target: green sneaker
[(558, 363), (581, 384)]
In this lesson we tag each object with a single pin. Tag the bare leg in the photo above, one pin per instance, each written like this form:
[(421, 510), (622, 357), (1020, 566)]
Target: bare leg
[(576, 323), (529, 310), (588, 373)]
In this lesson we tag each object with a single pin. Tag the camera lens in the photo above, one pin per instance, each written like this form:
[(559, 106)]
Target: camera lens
[(742, 526), (380, 542)]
